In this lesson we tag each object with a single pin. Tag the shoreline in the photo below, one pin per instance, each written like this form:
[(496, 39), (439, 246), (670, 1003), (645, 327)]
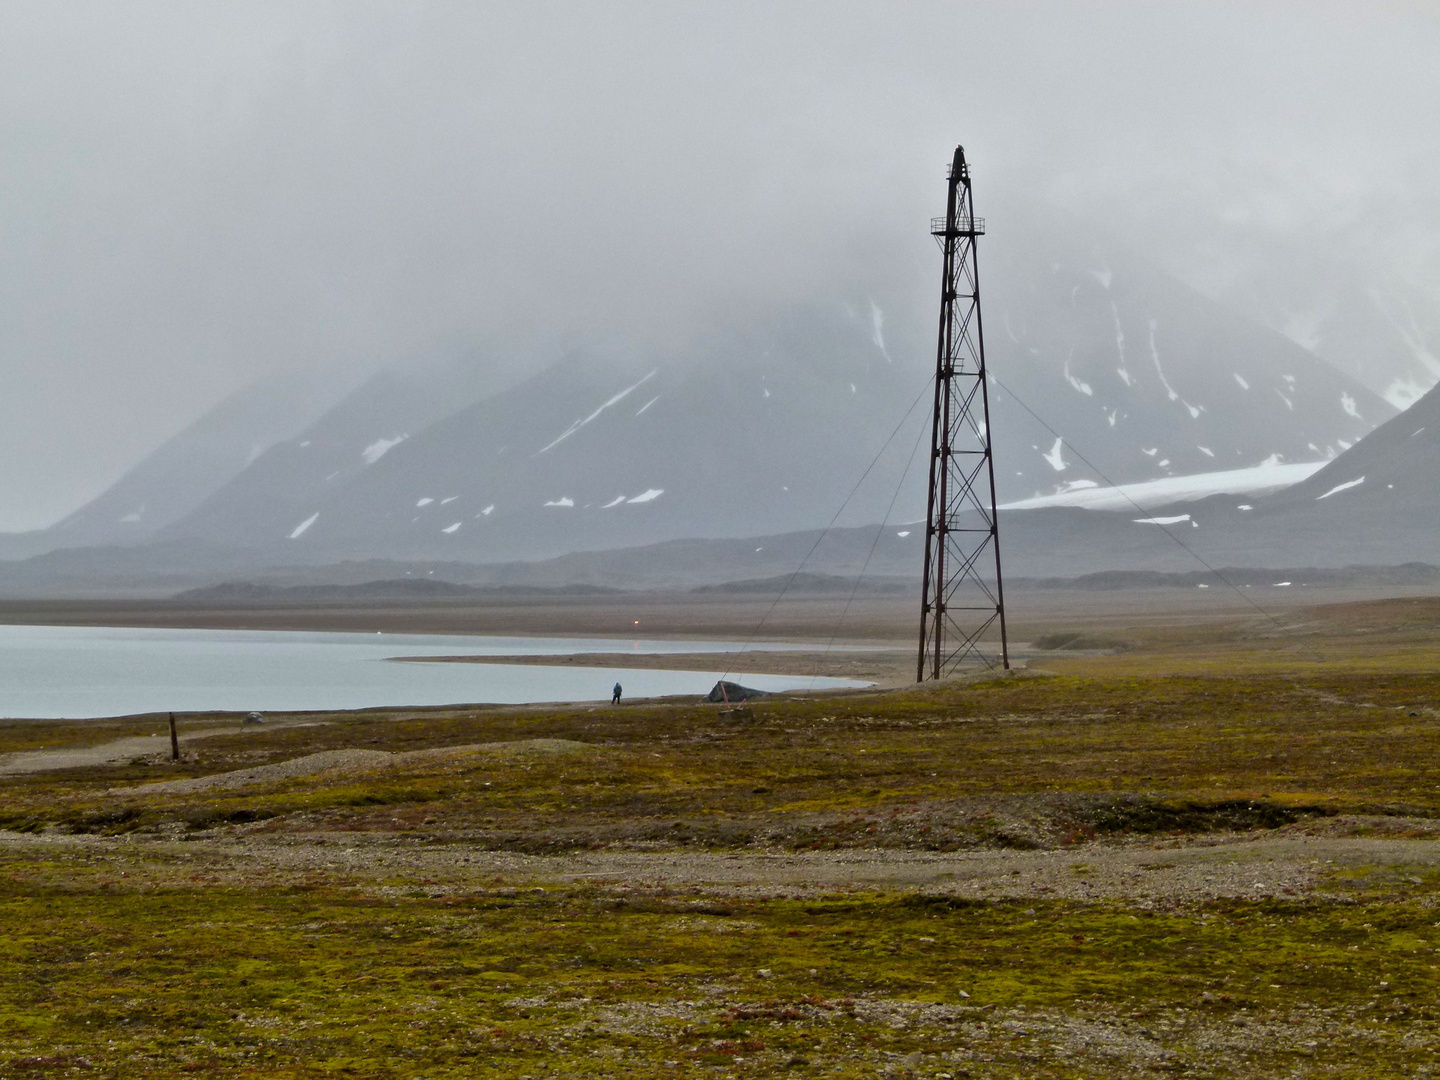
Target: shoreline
[(886, 669)]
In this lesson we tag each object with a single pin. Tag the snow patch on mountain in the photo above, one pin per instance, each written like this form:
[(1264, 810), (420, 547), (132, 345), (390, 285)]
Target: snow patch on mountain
[(1341, 487), (1402, 393), (1268, 476), (1122, 371), (1303, 328), (877, 330), (564, 500), (1170, 391), (646, 496), (578, 424), (380, 447), (1078, 384), (299, 530)]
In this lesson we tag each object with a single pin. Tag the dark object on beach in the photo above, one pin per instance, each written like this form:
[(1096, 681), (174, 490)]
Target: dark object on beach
[(730, 692), (174, 740), (253, 718)]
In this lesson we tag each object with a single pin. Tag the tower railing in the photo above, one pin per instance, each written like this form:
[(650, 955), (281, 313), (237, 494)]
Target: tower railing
[(974, 226)]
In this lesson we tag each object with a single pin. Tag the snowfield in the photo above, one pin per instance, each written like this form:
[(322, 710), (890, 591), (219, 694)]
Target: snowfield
[(1256, 480)]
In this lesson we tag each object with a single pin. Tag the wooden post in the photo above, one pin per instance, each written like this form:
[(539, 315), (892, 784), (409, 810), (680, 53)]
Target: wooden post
[(174, 740)]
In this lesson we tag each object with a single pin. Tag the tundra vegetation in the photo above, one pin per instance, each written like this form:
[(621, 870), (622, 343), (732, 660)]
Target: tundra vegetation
[(1211, 855)]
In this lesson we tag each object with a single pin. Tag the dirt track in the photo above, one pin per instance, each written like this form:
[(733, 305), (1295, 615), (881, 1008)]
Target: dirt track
[(115, 752), (1290, 863)]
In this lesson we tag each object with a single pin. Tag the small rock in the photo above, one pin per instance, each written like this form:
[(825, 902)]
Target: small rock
[(764, 973), (254, 718)]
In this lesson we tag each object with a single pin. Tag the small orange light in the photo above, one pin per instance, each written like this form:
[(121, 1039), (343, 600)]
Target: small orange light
[(637, 622)]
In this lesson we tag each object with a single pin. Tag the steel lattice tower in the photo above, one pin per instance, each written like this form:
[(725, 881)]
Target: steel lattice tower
[(963, 595)]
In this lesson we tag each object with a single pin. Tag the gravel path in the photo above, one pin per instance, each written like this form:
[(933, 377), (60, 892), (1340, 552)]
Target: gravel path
[(1292, 865), (1274, 865), (349, 760), (154, 747), (111, 753)]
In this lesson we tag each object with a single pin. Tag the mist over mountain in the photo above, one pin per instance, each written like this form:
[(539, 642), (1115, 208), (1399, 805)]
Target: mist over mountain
[(202, 197), (1376, 506), (1143, 375), (1380, 331), (484, 285), (761, 428), (185, 471), (753, 431), (1380, 500), (336, 448)]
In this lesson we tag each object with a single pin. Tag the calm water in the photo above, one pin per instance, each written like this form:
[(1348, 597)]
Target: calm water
[(74, 671)]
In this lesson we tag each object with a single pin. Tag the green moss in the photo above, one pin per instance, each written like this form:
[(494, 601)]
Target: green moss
[(1104, 755), (164, 971), (306, 982)]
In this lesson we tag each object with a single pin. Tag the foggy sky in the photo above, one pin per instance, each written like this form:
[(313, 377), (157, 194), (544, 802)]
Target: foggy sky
[(199, 195)]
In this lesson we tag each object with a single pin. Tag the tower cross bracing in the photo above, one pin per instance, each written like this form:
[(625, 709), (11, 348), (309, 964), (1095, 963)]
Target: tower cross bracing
[(962, 603)]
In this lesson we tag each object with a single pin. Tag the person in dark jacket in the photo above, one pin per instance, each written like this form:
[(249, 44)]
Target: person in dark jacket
[(615, 695)]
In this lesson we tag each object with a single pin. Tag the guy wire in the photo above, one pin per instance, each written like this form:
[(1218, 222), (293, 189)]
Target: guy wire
[(825, 531), (1125, 495), (884, 523)]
